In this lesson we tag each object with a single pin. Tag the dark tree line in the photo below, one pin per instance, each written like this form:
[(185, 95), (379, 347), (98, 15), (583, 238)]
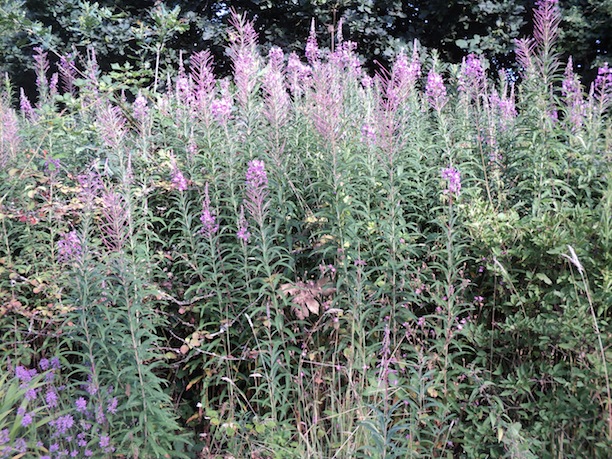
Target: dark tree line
[(129, 35)]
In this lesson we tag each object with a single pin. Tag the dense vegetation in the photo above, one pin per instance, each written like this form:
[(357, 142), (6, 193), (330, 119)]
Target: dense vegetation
[(129, 34), (307, 260)]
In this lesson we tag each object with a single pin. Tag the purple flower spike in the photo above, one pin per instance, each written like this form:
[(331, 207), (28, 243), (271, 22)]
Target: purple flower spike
[(24, 375), (312, 48), (454, 181), (256, 190), (243, 227), (81, 404), (51, 398), (435, 90), (546, 19), (69, 247), (111, 406), (179, 182), (256, 177), (140, 109), (27, 419), (472, 76), (208, 219), (26, 106)]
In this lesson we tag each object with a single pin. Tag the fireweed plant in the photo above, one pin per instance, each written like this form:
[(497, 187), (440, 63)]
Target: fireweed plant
[(304, 260)]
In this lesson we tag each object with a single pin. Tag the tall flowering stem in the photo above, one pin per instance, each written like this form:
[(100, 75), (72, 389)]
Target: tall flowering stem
[(600, 94), (453, 178), (245, 60), (573, 95), (9, 133), (42, 68), (208, 217), (436, 91), (277, 102), (68, 73), (257, 192)]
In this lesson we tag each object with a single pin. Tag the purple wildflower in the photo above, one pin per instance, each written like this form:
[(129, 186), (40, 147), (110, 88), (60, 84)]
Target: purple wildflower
[(86, 426), (9, 134), (405, 72), (44, 364), (221, 108), (546, 19), (179, 182), (27, 419), (111, 406), (51, 398), (104, 441), (435, 90), (298, 75), (601, 89), (183, 90), (31, 394), (90, 184), (88, 453), (277, 102), (472, 76), (245, 58), (20, 445), (42, 67), (368, 134), (26, 106), (140, 109), (208, 219), (524, 55), (114, 222), (68, 73), (345, 59), (572, 91), (81, 404), (404, 76), (276, 57), (243, 227), (69, 247), (201, 72), (111, 123), (454, 180), (256, 189), (100, 417), (256, 177), (63, 424), (23, 374), (312, 48), (55, 363), (53, 85), (603, 82)]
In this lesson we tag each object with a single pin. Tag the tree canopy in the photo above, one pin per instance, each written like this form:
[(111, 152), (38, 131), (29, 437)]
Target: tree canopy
[(133, 35)]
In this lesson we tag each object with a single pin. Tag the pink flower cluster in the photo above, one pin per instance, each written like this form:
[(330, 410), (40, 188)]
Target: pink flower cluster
[(453, 176), (208, 219), (435, 90)]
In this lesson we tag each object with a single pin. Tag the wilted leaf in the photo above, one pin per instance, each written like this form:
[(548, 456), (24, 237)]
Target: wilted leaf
[(306, 296)]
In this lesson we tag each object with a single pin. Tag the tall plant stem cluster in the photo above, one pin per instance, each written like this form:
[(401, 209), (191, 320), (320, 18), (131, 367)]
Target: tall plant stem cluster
[(302, 259)]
